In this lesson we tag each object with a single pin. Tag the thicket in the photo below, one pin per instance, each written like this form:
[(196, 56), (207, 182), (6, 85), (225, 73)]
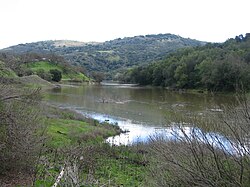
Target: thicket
[(56, 75), (218, 157), (21, 129), (214, 67)]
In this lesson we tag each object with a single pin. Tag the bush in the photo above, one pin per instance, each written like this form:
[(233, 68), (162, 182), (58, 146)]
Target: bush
[(20, 130), (56, 75), (44, 75)]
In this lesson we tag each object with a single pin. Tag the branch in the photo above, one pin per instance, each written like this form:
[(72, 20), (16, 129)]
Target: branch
[(59, 177), (11, 97)]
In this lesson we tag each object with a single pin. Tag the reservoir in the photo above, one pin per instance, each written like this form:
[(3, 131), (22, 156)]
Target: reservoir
[(141, 111)]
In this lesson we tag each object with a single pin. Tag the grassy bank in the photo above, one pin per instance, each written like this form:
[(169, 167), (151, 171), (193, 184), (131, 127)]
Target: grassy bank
[(38, 140), (72, 137)]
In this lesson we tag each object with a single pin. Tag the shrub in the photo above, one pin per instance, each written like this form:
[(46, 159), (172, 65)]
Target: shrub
[(21, 136), (202, 160), (56, 75)]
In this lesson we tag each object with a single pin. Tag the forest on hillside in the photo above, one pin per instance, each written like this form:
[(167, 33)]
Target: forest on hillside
[(109, 57), (213, 67)]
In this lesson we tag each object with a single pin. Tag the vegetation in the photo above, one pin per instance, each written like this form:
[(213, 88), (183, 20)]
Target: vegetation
[(39, 140), (56, 75), (42, 145), (77, 143), (213, 67), (113, 56), (21, 130), (198, 158), (48, 67), (64, 132), (5, 71), (47, 70)]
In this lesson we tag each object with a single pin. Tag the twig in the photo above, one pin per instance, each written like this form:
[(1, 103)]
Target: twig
[(59, 177)]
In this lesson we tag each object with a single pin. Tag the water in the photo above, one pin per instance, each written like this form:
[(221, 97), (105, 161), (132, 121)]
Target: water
[(143, 112)]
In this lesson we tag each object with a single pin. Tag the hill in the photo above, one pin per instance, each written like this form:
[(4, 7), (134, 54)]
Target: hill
[(110, 56), (214, 67), (45, 66)]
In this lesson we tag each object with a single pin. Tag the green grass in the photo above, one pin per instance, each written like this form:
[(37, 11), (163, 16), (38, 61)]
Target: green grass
[(47, 66), (123, 166), (117, 166), (65, 132), (75, 76)]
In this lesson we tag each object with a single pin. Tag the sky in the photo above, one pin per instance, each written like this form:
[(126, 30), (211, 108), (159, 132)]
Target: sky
[(24, 21)]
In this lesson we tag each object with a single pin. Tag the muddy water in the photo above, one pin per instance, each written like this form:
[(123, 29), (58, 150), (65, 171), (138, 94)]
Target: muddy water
[(141, 111)]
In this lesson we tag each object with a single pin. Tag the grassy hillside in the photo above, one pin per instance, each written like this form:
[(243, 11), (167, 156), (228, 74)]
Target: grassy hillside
[(112, 56), (43, 65), (67, 74)]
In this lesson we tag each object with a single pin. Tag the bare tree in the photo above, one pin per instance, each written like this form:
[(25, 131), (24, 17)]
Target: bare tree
[(195, 157)]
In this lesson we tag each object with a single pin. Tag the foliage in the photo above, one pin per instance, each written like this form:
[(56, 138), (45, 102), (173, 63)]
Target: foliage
[(43, 68), (214, 67), (56, 75), (110, 56), (98, 77), (40, 64), (44, 75)]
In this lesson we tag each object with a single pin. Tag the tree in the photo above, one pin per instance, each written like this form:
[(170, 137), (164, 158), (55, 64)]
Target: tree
[(205, 69), (56, 75), (181, 75), (44, 75), (98, 76)]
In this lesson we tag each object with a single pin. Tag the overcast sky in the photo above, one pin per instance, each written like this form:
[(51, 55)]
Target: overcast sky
[(24, 21)]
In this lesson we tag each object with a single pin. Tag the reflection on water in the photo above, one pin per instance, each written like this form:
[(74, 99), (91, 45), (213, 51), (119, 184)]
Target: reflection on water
[(137, 133), (141, 111), (150, 106)]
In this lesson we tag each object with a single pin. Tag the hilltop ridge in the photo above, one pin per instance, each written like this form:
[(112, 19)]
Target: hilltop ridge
[(110, 56)]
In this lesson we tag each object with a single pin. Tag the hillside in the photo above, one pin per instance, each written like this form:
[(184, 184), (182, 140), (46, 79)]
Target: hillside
[(45, 66), (112, 55), (214, 67)]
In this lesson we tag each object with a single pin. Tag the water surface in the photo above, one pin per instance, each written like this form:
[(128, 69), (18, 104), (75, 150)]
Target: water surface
[(142, 111)]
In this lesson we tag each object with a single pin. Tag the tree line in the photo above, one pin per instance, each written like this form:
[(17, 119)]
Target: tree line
[(213, 67)]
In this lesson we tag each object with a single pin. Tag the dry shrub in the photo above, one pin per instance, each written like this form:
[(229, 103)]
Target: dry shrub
[(21, 131), (220, 157)]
